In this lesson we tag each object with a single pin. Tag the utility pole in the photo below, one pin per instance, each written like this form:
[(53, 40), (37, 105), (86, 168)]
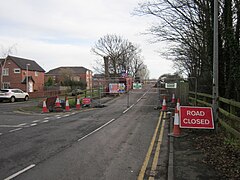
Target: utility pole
[(215, 102)]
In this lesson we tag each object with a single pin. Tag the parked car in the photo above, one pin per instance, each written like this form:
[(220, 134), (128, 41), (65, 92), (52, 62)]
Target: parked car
[(13, 94)]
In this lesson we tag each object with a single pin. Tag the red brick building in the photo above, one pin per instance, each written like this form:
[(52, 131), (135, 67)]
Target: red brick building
[(77, 74), (25, 74)]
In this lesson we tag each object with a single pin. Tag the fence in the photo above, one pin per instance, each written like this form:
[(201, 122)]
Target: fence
[(229, 111)]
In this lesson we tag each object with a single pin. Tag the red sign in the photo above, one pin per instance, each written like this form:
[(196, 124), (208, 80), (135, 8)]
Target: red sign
[(196, 117), (86, 101)]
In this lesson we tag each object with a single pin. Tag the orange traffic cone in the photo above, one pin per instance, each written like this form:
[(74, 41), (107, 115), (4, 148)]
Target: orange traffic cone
[(78, 106), (67, 108), (164, 104), (173, 98), (178, 104), (176, 130), (57, 103), (44, 108)]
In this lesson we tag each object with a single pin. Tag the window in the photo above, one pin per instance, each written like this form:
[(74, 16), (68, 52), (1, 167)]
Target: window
[(5, 71), (36, 73), (17, 70), (6, 85)]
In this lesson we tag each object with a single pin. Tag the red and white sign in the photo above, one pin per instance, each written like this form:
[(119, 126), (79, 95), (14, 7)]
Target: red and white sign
[(196, 117), (86, 101)]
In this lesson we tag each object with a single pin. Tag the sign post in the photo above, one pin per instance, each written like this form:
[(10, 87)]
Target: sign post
[(196, 117)]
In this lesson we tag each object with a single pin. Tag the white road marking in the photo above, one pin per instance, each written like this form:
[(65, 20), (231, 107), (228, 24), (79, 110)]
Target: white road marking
[(128, 108), (73, 113), (96, 130), (47, 118), (1, 134), (66, 115), (134, 104), (15, 130), (9, 126), (20, 172), (35, 121), (59, 117), (45, 121), (23, 124), (34, 124)]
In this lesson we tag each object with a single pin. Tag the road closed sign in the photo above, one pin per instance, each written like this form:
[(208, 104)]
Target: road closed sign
[(196, 117)]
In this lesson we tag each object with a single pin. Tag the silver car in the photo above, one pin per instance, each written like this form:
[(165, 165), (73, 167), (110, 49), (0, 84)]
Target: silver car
[(13, 94)]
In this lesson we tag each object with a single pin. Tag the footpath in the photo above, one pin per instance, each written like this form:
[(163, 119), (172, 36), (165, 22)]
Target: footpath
[(202, 155)]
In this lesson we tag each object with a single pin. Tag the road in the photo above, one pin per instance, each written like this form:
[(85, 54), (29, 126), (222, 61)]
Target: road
[(104, 143)]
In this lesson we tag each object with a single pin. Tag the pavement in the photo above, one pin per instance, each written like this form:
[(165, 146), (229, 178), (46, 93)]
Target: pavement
[(186, 160)]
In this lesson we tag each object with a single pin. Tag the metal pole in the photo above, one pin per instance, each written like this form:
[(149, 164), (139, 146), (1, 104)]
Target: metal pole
[(215, 66), (195, 91), (128, 103), (27, 80)]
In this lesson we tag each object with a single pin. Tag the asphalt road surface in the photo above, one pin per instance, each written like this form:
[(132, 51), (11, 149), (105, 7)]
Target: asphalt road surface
[(102, 143)]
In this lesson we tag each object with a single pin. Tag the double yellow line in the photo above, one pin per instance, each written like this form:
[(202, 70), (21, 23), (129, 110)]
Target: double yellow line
[(157, 152)]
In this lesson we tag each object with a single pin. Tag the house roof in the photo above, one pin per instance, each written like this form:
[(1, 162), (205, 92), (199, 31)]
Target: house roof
[(22, 63), (74, 69)]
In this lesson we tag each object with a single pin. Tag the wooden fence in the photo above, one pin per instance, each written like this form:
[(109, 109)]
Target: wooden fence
[(229, 111)]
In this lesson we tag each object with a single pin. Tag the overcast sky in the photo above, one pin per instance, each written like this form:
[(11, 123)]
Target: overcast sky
[(58, 33)]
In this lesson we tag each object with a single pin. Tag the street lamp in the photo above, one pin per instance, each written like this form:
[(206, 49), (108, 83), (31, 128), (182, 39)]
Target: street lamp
[(27, 77)]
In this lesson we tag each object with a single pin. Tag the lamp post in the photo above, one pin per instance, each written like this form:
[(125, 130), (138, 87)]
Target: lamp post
[(215, 92), (27, 77)]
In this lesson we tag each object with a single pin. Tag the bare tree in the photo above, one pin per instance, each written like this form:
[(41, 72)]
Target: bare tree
[(121, 55)]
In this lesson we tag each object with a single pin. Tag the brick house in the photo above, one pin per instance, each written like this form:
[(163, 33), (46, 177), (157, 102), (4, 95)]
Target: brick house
[(25, 74), (75, 73)]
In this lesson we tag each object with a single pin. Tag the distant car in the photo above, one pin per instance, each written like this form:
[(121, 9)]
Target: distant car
[(13, 94), (76, 92)]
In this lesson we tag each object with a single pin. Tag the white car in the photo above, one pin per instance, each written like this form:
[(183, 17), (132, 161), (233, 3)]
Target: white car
[(13, 94)]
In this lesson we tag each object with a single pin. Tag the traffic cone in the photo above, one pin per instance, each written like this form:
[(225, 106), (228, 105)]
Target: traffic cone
[(78, 106), (178, 104), (173, 98), (176, 129), (44, 108), (164, 104), (67, 108), (57, 103)]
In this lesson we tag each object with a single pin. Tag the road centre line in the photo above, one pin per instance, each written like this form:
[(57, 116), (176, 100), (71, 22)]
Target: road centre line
[(13, 130), (20, 172), (157, 152), (145, 163), (96, 130), (128, 108), (9, 126), (23, 124), (35, 121)]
